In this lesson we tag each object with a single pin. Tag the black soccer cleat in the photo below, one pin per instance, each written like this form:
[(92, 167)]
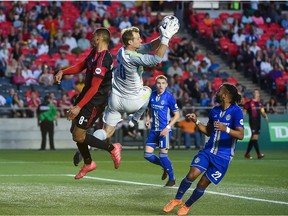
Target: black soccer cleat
[(164, 175), (170, 183), (77, 158)]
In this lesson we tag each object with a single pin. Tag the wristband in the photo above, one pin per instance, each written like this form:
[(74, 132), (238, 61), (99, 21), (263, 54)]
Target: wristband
[(228, 130), (168, 127), (197, 122), (164, 40)]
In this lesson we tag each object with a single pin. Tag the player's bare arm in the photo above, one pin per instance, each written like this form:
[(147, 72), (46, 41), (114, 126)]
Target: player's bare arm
[(238, 133)]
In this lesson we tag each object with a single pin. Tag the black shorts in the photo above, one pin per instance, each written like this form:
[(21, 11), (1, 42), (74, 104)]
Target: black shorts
[(255, 128), (89, 114)]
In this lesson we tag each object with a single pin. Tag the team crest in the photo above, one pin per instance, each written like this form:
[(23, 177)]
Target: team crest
[(162, 102), (98, 70), (228, 117), (197, 160)]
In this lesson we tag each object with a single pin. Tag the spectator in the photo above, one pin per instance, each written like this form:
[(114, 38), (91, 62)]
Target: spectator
[(284, 22), (106, 21), (46, 78), (257, 18), (43, 48), (115, 38), (17, 105), (82, 19), (52, 46), (284, 42), (17, 78), (192, 87), (64, 104), (265, 68), (246, 18), (254, 48), (32, 42), (271, 105), (174, 88), (272, 41), (29, 76), (68, 83), (174, 69), (62, 62), (83, 43), (70, 41), (80, 82), (251, 36), (203, 67), (189, 130), (205, 84), (125, 23), (238, 37), (275, 73), (32, 103), (208, 21), (2, 16), (225, 27)]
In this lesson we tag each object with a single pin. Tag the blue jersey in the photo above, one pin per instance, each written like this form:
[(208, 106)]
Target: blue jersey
[(221, 143), (162, 107)]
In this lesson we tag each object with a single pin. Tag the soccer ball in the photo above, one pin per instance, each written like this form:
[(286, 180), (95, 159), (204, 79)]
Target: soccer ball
[(100, 134), (168, 19)]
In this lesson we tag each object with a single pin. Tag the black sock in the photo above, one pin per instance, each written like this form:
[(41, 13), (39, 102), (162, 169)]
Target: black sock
[(83, 149), (250, 146), (97, 143), (256, 146)]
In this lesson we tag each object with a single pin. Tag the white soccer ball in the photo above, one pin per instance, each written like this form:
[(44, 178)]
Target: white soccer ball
[(168, 19), (100, 134)]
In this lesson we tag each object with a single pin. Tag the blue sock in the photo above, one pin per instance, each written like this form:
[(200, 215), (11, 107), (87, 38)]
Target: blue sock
[(183, 187), (197, 193), (166, 164), (152, 158)]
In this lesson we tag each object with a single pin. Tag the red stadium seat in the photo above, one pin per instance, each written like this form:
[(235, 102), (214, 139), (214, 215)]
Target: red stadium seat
[(280, 85), (224, 15), (216, 83), (232, 80)]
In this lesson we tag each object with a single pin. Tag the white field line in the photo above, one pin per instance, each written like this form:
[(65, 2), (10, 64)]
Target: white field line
[(145, 184)]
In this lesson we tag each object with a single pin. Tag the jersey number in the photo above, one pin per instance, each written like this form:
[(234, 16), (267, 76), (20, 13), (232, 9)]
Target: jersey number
[(81, 120), (216, 175), (122, 72)]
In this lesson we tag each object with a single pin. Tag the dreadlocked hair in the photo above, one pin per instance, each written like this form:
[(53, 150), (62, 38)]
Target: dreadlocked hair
[(233, 91)]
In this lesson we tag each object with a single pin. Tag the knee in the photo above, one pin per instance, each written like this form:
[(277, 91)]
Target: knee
[(78, 139)]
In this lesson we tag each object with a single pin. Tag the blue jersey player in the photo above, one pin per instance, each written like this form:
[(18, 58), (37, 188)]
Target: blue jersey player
[(225, 127), (164, 113)]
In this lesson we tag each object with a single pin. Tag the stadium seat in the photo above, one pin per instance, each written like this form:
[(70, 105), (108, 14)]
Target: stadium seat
[(224, 15), (280, 85), (232, 80), (216, 83)]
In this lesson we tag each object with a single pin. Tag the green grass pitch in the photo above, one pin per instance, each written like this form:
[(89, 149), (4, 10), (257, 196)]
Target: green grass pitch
[(42, 183)]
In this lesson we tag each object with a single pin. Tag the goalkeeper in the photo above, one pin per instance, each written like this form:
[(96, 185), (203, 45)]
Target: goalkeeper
[(128, 93)]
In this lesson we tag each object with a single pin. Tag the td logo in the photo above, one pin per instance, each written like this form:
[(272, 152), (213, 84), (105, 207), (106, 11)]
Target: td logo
[(278, 131)]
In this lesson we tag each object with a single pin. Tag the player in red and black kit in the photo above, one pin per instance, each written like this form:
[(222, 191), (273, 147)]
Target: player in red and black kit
[(255, 109), (92, 101)]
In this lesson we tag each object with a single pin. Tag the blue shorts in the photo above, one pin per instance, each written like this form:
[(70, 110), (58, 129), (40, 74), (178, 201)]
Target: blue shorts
[(154, 139), (214, 166)]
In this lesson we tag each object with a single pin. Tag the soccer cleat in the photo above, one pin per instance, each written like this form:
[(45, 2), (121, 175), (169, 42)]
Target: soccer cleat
[(164, 175), (116, 154), (85, 169), (77, 158), (248, 156), (171, 205), (260, 156), (183, 210), (170, 183)]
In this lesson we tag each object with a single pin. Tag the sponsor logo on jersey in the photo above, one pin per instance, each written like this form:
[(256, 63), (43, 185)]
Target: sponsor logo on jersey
[(228, 117), (98, 70), (241, 122)]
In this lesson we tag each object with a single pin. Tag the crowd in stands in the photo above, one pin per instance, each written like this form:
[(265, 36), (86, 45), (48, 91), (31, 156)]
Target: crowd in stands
[(38, 38), (255, 43)]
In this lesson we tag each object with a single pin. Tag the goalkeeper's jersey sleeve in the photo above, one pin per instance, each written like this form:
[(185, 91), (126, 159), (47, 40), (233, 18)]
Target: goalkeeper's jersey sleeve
[(127, 80)]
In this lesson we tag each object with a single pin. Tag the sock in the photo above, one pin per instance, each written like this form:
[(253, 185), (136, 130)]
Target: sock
[(183, 187), (250, 146), (97, 143), (151, 157), (83, 149), (197, 193), (166, 164), (256, 146)]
